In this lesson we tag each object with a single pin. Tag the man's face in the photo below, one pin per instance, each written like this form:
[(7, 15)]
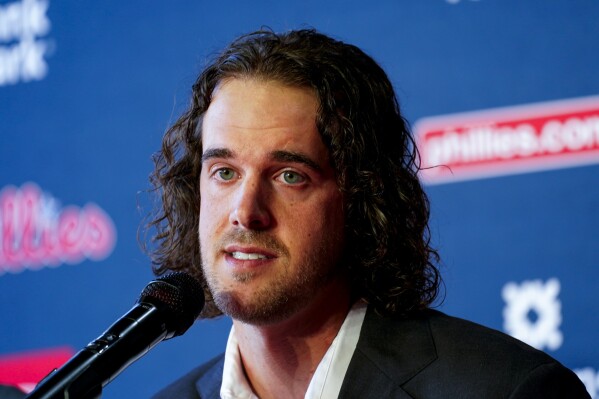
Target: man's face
[(271, 216)]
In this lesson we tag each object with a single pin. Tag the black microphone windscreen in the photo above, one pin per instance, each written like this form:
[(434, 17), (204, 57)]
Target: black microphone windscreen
[(180, 295)]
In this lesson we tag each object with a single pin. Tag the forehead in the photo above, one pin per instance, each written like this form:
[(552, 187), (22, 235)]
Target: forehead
[(262, 114), (266, 101)]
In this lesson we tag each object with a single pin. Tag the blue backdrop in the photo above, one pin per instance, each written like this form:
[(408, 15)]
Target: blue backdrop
[(87, 90)]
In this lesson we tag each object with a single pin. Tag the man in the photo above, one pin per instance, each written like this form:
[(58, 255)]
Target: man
[(296, 170)]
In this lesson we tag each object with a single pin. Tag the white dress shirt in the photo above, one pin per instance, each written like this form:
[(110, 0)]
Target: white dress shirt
[(328, 377)]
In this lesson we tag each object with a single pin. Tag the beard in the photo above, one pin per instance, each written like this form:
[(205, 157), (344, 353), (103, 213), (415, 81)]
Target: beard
[(290, 289)]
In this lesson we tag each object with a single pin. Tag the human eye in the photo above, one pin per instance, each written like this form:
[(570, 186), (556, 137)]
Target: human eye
[(292, 177), (224, 174)]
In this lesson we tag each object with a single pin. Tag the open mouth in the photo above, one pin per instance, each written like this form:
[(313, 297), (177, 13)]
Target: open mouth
[(247, 256)]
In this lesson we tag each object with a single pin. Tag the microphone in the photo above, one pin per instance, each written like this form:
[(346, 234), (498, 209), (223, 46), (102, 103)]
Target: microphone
[(166, 308)]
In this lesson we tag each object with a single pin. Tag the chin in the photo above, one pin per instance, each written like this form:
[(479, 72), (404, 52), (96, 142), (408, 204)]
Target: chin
[(257, 310)]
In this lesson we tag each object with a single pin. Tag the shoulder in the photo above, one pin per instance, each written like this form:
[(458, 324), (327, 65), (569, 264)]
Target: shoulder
[(186, 387), (481, 355), (454, 339), (459, 358), (454, 336)]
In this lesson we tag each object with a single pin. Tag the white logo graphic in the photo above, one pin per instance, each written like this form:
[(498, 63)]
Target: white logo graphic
[(533, 313), (21, 52), (590, 379)]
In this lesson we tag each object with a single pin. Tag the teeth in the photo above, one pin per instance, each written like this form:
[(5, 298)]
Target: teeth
[(244, 256)]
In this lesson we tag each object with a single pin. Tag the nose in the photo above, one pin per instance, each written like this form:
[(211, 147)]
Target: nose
[(251, 207)]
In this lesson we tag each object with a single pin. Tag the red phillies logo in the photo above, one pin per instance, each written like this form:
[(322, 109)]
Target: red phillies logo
[(35, 232), (509, 140)]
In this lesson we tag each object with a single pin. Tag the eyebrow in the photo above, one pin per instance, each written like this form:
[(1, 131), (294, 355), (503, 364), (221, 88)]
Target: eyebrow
[(217, 153), (279, 156), (295, 157)]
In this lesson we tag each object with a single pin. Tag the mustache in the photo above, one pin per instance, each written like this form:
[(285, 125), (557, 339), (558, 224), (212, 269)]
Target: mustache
[(253, 237)]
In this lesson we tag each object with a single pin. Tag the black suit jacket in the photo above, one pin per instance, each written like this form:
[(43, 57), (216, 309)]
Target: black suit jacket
[(10, 392), (430, 355)]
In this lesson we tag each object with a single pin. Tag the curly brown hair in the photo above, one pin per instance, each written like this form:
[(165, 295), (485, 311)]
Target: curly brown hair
[(390, 261)]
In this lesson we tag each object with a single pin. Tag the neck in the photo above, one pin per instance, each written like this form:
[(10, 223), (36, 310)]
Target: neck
[(280, 359)]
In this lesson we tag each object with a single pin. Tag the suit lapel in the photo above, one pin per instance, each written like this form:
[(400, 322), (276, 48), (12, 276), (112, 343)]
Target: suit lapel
[(208, 385), (389, 353)]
